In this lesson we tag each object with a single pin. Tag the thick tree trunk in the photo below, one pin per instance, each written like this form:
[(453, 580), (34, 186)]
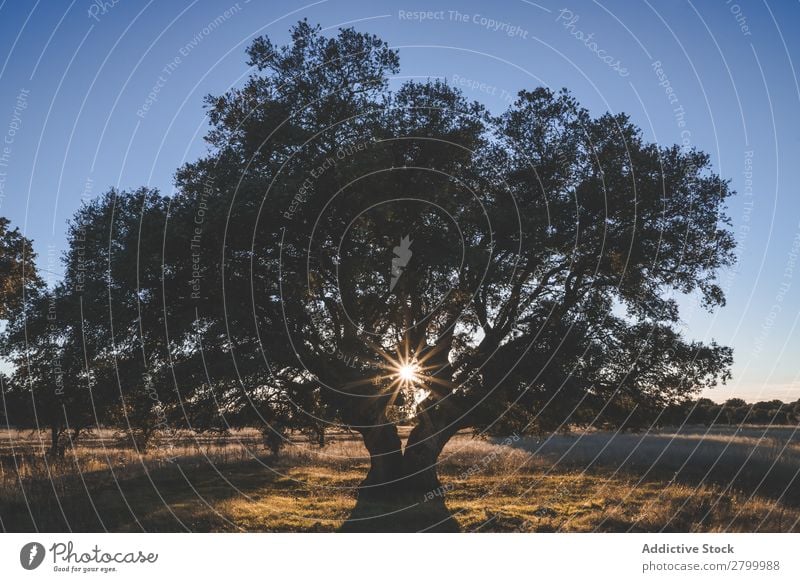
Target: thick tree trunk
[(385, 474), (402, 491), (398, 474), (55, 444), (421, 455)]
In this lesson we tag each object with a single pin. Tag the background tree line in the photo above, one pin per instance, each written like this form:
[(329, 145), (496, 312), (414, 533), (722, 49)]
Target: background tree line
[(734, 411)]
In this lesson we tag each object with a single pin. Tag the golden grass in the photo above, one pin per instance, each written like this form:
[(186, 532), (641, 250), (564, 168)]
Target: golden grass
[(229, 484)]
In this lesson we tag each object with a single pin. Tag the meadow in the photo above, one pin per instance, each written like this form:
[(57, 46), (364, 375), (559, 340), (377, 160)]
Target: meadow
[(690, 480)]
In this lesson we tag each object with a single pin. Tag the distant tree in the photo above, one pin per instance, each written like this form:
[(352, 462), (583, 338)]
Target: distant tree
[(49, 385), (675, 414), (732, 410), (793, 412), (768, 405), (768, 412), (704, 411), (19, 277), (113, 275), (27, 335), (757, 416), (91, 350), (352, 255)]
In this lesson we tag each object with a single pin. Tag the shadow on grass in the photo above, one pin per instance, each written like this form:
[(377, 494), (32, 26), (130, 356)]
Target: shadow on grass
[(172, 499), (411, 516), (195, 497)]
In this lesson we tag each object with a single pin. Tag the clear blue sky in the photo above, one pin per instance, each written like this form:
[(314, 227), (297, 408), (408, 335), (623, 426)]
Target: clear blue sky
[(74, 77)]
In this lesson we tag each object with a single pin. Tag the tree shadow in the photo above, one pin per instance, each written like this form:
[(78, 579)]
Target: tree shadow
[(170, 498), (400, 516)]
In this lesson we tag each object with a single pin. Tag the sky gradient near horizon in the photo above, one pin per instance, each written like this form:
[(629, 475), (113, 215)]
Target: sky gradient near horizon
[(98, 94)]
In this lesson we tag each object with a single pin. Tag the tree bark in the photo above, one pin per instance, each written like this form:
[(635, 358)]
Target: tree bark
[(402, 492), (421, 455), (398, 474), (55, 445), (385, 449)]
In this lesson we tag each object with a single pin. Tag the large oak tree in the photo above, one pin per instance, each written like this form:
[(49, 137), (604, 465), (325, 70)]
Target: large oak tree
[(365, 253), (359, 254)]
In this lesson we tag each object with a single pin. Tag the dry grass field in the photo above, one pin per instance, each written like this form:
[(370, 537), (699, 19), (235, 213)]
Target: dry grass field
[(692, 480)]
